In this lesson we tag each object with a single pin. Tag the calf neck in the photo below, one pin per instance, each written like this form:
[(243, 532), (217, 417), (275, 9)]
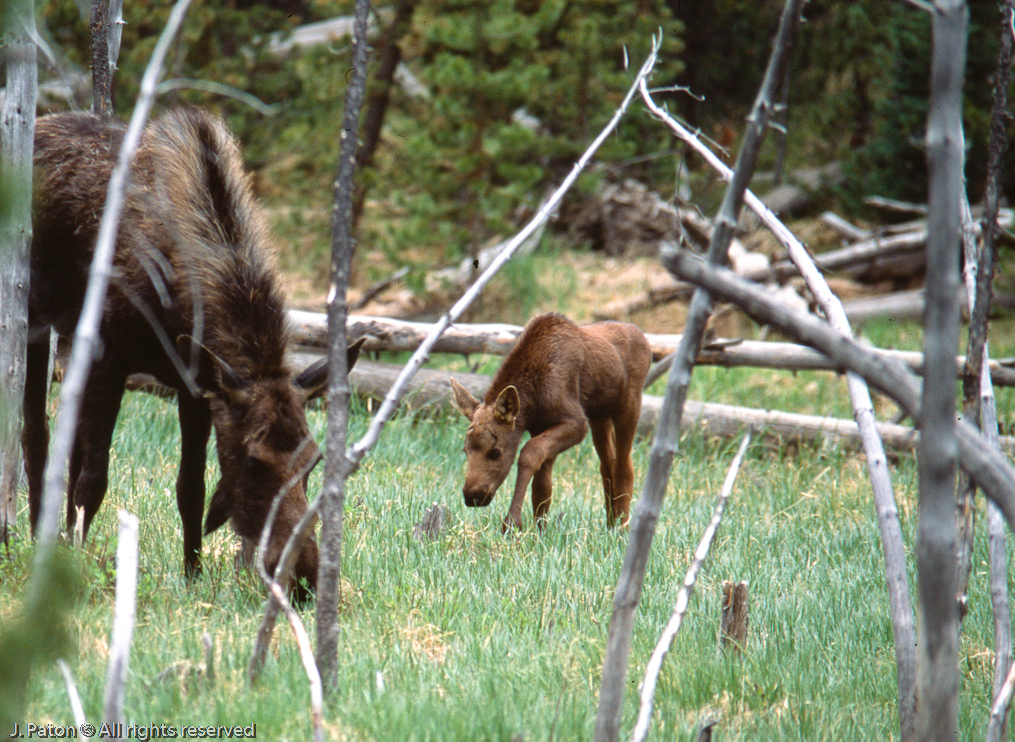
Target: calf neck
[(558, 382)]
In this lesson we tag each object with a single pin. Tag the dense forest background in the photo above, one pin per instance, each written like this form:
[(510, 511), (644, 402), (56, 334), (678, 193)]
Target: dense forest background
[(508, 92)]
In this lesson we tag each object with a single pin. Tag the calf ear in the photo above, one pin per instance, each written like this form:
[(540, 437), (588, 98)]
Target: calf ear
[(464, 400), (218, 511), (507, 405)]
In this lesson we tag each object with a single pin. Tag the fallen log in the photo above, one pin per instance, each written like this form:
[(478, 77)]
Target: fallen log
[(311, 332), (430, 391)]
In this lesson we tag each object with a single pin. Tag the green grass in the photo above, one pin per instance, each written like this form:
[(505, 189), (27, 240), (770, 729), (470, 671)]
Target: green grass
[(481, 636)]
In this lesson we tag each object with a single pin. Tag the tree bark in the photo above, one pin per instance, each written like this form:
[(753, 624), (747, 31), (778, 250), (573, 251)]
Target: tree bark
[(646, 514), (937, 654), (102, 69), (17, 131), (997, 725), (337, 465)]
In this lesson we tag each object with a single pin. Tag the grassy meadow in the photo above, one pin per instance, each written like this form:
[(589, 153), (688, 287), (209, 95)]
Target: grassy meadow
[(484, 637)]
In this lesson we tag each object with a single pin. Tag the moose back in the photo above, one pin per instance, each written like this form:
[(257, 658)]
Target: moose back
[(194, 300), (559, 381)]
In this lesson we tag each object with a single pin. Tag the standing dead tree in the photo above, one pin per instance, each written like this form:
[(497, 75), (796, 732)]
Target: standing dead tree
[(107, 24), (979, 400), (337, 466), (937, 652), (17, 130), (646, 513)]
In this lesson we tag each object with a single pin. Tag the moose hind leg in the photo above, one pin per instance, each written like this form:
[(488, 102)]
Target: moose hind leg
[(89, 476), (35, 432), (195, 428)]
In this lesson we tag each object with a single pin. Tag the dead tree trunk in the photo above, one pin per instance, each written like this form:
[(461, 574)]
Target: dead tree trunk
[(937, 654), (646, 513), (337, 464), (17, 130), (996, 532)]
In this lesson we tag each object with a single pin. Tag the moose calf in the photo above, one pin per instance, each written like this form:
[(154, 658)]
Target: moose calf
[(194, 301), (558, 381)]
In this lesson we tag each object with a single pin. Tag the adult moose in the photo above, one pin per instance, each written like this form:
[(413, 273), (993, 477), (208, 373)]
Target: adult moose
[(559, 380), (194, 301)]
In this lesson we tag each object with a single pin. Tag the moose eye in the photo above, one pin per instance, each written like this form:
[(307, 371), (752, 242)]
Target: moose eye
[(252, 464), (493, 454)]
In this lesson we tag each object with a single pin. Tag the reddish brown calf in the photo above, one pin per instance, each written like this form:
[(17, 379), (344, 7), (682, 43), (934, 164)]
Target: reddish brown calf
[(194, 296), (558, 381)]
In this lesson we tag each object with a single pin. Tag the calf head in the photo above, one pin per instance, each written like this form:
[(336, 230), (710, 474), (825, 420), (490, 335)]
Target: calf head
[(491, 442)]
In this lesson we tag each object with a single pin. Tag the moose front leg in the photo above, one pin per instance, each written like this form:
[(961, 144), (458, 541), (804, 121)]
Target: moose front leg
[(195, 428), (541, 448), (35, 433)]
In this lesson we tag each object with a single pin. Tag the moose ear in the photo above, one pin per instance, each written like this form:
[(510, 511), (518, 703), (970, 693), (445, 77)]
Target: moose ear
[(218, 511), (507, 405), (222, 379), (313, 380), (464, 400), (353, 352)]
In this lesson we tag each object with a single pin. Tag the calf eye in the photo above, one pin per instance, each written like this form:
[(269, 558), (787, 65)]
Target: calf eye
[(493, 454)]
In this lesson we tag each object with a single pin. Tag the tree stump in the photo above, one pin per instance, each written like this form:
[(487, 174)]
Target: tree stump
[(432, 523), (736, 609)]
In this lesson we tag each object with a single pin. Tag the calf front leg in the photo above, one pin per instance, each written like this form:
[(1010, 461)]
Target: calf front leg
[(540, 448), (542, 492)]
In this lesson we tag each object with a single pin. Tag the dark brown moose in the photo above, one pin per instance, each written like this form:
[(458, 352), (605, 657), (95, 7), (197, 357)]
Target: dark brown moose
[(194, 293), (560, 380)]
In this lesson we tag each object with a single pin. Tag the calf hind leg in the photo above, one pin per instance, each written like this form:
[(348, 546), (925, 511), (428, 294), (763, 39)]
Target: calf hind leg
[(604, 440), (625, 426)]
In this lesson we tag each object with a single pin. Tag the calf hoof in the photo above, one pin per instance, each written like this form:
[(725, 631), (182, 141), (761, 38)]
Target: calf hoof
[(510, 524)]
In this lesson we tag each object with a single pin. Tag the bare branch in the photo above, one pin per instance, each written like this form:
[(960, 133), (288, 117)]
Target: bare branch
[(398, 389), (76, 709), (655, 662), (123, 618), (991, 471)]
